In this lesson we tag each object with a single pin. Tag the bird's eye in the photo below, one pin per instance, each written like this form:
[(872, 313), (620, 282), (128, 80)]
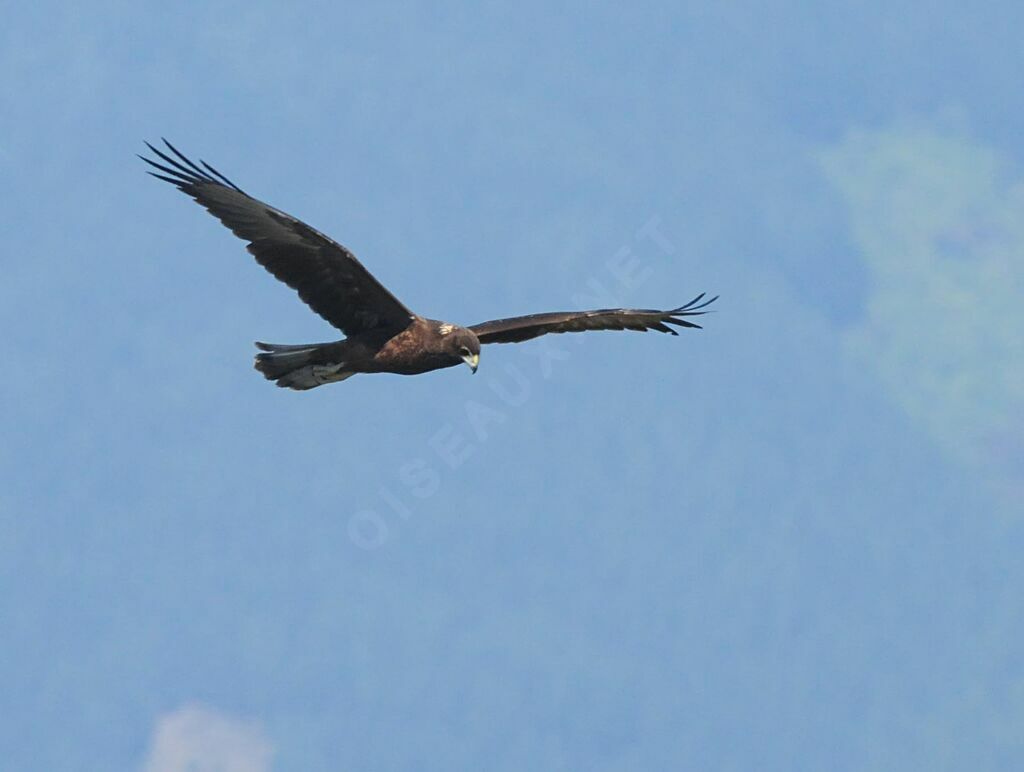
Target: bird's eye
[(464, 351)]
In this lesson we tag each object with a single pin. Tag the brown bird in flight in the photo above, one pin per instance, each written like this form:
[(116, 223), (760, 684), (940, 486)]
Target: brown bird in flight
[(381, 334)]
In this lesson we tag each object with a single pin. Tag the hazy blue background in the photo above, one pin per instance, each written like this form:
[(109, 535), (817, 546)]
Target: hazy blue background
[(789, 542)]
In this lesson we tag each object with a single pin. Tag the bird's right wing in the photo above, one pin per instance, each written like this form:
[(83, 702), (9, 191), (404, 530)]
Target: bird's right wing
[(328, 277), (519, 328)]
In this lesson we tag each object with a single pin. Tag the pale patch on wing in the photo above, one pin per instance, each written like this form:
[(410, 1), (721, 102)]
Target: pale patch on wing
[(446, 328), (330, 373), (311, 376)]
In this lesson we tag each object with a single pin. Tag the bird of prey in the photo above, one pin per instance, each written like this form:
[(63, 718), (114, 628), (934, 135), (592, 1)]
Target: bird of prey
[(381, 334)]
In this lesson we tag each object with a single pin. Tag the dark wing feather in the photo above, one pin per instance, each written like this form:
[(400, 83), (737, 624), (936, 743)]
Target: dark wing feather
[(327, 276), (519, 328)]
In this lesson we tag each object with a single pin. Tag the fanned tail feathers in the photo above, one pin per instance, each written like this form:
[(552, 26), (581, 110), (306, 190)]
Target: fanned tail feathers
[(296, 367)]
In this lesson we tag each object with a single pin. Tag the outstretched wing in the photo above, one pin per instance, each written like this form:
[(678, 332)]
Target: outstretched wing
[(327, 276), (519, 328)]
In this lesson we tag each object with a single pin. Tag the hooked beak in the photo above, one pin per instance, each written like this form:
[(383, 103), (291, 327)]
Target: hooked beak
[(473, 360)]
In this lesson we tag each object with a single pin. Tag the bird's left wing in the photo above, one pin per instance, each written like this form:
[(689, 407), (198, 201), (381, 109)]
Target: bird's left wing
[(519, 328), (328, 277)]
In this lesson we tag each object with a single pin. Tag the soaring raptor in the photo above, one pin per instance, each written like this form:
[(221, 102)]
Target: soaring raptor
[(381, 334)]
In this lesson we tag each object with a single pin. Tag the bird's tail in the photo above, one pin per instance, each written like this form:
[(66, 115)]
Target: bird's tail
[(297, 367)]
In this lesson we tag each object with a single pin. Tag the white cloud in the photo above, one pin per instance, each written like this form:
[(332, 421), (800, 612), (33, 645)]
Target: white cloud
[(196, 738)]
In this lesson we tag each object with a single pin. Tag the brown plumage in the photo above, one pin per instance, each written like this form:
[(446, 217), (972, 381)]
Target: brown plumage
[(382, 334)]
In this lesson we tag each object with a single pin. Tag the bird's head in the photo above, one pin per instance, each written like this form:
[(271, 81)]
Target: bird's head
[(461, 344)]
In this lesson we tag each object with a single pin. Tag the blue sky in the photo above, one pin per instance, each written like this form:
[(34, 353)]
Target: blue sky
[(788, 541)]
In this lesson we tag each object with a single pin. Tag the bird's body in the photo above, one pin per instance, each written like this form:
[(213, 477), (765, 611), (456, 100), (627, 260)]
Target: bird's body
[(423, 346), (382, 334), (419, 348)]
